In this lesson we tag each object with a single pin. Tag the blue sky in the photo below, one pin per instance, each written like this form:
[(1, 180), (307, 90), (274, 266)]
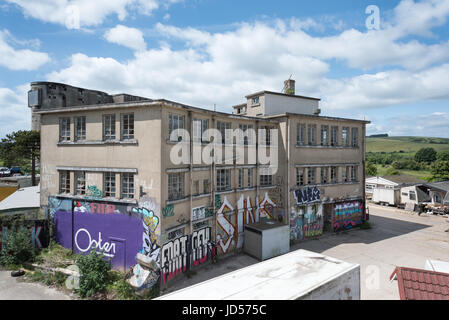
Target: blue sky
[(206, 52)]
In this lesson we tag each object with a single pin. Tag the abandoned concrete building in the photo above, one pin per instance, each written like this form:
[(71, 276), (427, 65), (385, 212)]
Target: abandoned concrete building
[(108, 178)]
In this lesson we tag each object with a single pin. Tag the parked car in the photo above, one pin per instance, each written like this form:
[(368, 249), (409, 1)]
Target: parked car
[(15, 171), (4, 172)]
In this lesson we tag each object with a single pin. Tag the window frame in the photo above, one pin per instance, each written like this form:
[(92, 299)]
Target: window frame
[(64, 129), (109, 120), (129, 191), (109, 185), (127, 133), (80, 133)]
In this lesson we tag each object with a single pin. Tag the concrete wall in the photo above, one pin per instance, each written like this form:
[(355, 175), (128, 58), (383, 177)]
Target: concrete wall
[(276, 104), (143, 154)]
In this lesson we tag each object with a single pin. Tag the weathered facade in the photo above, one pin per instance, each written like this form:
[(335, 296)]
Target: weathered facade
[(109, 178)]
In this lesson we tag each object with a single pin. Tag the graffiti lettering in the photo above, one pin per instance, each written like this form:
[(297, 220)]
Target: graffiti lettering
[(93, 192), (105, 248), (168, 211), (348, 215), (307, 195)]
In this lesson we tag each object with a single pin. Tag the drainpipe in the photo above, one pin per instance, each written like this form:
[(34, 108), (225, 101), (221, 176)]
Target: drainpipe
[(190, 168), (288, 170)]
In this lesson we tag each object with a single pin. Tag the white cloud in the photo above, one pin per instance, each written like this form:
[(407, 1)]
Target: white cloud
[(14, 112), (19, 59), (128, 37), (84, 13), (223, 67)]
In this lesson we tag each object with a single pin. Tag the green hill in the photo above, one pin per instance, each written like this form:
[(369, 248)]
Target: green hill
[(405, 144)]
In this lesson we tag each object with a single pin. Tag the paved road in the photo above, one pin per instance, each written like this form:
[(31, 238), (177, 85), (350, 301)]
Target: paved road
[(397, 238), (13, 289)]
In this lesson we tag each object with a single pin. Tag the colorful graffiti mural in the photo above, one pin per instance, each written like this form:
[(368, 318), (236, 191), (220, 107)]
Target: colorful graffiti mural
[(93, 192), (186, 252), (231, 235), (306, 222), (307, 195), (313, 221), (296, 225), (348, 215)]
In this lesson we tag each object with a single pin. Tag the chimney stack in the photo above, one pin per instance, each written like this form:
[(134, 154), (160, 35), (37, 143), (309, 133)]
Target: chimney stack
[(289, 86)]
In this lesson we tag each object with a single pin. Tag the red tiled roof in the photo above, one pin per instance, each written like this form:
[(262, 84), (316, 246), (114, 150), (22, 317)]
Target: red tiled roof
[(418, 284)]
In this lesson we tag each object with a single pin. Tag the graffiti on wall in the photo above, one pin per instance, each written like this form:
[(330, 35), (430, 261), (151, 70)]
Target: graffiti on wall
[(168, 211), (93, 192), (128, 234), (201, 213), (232, 234), (39, 233), (348, 215), (296, 225), (186, 252), (96, 207), (307, 195), (313, 221)]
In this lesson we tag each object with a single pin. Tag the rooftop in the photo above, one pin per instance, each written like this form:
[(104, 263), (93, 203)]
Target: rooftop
[(418, 284), (22, 198)]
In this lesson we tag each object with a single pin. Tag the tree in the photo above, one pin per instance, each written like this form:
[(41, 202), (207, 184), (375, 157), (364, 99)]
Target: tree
[(443, 155), (371, 169), (440, 170), (427, 155), (22, 145)]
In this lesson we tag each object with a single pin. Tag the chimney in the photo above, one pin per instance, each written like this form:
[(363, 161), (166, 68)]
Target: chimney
[(289, 86)]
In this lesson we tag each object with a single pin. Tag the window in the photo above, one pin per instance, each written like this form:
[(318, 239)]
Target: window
[(128, 126), (311, 176), (250, 178), (127, 186), (300, 134), (247, 134), (196, 187), (64, 182), (225, 131), (324, 135), (109, 184), (175, 122), (80, 183), (300, 176), (334, 175), (345, 174), (266, 180), (64, 129), (324, 175), (223, 179), (255, 101), (412, 195), (109, 127), (354, 137), (345, 136), (199, 127), (175, 186), (311, 133), (265, 130), (240, 178), (206, 186), (354, 173), (80, 128), (334, 136)]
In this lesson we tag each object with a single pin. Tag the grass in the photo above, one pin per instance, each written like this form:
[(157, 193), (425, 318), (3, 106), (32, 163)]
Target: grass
[(56, 256), (422, 175), (409, 145)]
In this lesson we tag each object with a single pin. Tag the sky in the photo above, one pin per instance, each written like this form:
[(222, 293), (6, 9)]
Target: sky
[(382, 61)]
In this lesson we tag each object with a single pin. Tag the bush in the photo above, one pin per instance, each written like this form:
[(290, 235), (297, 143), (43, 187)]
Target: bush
[(123, 290), (371, 169), (392, 172), (94, 274), (427, 155), (17, 247), (365, 225)]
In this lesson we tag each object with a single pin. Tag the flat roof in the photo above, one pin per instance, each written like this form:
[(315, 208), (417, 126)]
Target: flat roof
[(287, 114), (286, 277), (161, 102), (281, 94), (22, 198)]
